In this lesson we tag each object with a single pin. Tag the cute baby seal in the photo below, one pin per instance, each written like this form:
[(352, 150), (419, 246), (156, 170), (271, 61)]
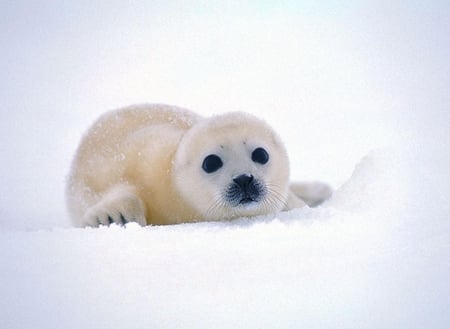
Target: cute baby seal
[(160, 164)]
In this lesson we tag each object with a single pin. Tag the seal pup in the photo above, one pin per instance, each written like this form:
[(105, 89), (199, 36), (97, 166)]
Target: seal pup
[(161, 164)]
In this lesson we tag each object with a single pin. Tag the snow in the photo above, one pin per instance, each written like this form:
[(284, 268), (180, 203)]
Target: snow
[(365, 263), (360, 98)]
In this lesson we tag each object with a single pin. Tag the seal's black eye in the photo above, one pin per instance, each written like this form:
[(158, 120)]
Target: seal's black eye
[(260, 155), (212, 163)]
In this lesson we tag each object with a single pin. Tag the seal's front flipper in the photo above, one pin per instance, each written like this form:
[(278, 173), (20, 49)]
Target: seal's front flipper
[(120, 205)]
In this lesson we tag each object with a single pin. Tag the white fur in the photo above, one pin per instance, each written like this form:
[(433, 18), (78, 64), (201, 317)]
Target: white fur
[(144, 164)]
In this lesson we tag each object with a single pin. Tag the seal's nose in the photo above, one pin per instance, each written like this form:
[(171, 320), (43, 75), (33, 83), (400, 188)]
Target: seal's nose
[(243, 181)]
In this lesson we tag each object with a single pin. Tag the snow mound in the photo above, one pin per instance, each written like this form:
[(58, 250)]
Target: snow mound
[(361, 260)]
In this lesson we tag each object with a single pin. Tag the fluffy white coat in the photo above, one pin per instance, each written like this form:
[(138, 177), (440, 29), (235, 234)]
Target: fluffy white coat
[(144, 164)]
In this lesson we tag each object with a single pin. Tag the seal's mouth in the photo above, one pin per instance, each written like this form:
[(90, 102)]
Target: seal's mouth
[(246, 200)]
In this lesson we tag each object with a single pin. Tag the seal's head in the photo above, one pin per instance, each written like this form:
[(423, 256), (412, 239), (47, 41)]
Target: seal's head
[(232, 165)]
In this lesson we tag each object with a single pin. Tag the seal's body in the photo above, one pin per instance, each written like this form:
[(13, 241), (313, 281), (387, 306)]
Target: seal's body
[(160, 164)]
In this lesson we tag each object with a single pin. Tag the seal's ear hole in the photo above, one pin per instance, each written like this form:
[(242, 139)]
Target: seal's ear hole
[(212, 163), (260, 155)]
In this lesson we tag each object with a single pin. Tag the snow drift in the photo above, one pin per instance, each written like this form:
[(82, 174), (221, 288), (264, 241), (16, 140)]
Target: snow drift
[(365, 259)]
